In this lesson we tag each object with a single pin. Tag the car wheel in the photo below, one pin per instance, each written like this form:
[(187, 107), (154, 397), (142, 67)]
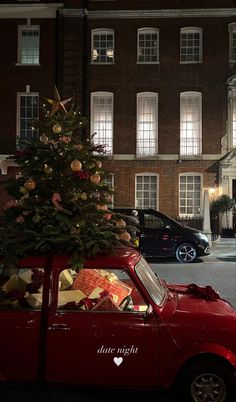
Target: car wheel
[(186, 253), (206, 381)]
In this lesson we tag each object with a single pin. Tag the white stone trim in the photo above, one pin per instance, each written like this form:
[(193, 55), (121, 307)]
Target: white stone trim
[(162, 13), (25, 11), (6, 163), (166, 157)]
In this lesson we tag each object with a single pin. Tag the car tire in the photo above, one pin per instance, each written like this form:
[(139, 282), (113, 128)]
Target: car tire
[(186, 253), (206, 381)]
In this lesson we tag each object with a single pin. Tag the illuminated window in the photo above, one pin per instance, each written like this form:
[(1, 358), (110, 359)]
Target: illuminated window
[(146, 191), (232, 119), (102, 119), (147, 123), (148, 45), (28, 44), (27, 109), (102, 46), (191, 45), (232, 42), (190, 123), (190, 194)]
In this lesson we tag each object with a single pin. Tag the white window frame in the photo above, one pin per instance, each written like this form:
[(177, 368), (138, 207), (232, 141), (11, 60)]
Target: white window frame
[(188, 174), (22, 28), (232, 42), (191, 30), (187, 127), (18, 124), (232, 115), (97, 137), (140, 134), (102, 31), (150, 205), (146, 31)]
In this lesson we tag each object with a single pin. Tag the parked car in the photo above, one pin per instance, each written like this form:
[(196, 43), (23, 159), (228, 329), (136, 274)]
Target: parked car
[(114, 323), (162, 236)]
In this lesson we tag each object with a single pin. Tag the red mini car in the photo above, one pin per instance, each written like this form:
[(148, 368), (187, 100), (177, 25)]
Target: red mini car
[(115, 323)]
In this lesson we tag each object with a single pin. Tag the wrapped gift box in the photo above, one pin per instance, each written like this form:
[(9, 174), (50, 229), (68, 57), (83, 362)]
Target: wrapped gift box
[(140, 308), (35, 300), (89, 279), (11, 284), (106, 304), (66, 279), (24, 278), (97, 292), (64, 297)]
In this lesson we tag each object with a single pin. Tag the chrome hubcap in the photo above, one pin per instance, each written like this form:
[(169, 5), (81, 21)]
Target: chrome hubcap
[(187, 253), (208, 388)]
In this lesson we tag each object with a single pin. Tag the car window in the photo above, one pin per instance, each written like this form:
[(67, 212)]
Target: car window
[(153, 222), (21, 288), (151, 282), (98, 290)]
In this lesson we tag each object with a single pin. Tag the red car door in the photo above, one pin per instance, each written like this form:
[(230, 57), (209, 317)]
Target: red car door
[(116, 348), (21, 320)]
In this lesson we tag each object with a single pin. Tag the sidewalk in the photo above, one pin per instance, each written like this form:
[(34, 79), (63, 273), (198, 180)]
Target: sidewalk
[(224, 248)]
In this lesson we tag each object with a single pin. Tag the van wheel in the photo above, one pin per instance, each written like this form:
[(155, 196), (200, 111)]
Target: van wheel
[(186, 253), (206, 381)]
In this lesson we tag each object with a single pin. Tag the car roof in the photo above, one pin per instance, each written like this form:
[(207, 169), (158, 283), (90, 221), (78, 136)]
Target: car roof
[(120, 257)]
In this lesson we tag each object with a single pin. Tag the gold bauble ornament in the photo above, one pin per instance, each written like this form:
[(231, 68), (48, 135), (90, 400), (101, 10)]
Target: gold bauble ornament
[(102, 207), (95, 178), (48, 169), (125, 236), (29, 185), (99, 164), (121, 223), (57, 128), (43, 138), (83, 196), (76, 165)]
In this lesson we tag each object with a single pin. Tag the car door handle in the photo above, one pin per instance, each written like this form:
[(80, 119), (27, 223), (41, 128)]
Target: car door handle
[(59, 327)]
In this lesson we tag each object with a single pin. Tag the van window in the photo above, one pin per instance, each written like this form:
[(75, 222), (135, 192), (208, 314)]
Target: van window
[(21, 288), (99, 290), (153, 222)]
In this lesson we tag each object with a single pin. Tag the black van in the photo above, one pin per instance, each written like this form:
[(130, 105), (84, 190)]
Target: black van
[(162, 236)]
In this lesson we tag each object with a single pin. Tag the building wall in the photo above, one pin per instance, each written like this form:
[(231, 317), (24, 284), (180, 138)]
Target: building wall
[(14, 78)]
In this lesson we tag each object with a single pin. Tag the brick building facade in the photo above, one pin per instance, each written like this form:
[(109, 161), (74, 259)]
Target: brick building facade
[(157, 81)]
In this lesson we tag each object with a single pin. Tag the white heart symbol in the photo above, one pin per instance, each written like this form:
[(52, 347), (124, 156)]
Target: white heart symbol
[(118, 360)]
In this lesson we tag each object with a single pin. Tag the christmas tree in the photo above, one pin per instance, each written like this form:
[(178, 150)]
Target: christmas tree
[(60, 197)]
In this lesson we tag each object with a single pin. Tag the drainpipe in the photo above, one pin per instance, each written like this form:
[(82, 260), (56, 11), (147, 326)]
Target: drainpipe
[(85, 68)]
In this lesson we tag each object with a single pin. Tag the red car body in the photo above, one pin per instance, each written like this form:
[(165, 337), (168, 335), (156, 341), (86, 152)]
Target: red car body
[(148, 348)]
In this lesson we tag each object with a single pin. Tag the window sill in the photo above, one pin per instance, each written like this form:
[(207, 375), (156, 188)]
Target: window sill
[(147, 62), (191, 62), (190, 157), (27, 65), (102, 63)]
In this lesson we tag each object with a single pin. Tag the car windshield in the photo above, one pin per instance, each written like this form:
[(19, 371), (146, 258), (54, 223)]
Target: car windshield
[(152, 283)]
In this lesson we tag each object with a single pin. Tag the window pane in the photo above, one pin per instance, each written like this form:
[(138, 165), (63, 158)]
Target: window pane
[(190, 46), (148, 46), (103, 47), (146, 191), (29, 46), (147, 125), (102, 120), (28, 111), (189, 201), (190, 124)]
